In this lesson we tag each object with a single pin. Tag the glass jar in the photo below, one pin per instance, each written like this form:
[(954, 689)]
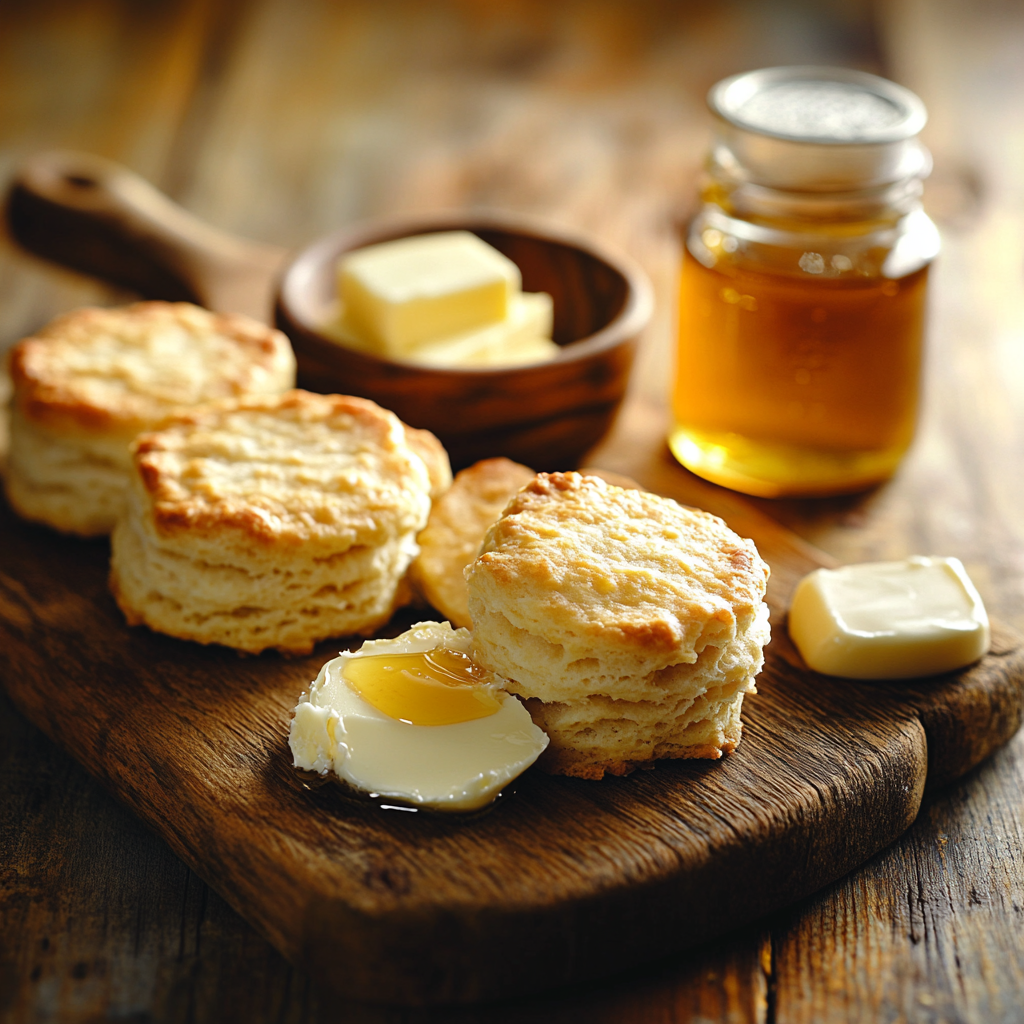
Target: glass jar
[(802, 296)]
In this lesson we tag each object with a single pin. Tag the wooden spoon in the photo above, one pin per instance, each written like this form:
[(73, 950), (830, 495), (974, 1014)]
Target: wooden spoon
[(97, 216)]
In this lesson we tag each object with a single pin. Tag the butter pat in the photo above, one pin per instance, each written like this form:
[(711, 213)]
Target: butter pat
[(524, 336), (889, 620), (382, 727), (400, 295)]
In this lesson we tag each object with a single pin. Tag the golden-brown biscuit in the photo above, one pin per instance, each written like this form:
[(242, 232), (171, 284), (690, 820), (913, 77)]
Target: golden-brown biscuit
[(434, 457), (91, 380), (456, 528), (457, 525), (272, 523), (609, 606)]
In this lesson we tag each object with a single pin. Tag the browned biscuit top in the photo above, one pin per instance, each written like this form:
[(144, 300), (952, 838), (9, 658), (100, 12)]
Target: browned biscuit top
[(457, 524), (298, 467), (573, 558), (124, 369)]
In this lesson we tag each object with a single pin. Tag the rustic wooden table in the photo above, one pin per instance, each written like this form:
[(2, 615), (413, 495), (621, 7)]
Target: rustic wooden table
[(282, 119)]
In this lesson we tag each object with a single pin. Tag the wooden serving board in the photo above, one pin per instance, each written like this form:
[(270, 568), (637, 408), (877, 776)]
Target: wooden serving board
[(561, 881)]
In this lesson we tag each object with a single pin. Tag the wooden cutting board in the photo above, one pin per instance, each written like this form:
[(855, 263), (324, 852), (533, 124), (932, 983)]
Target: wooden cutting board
[(563, 880)]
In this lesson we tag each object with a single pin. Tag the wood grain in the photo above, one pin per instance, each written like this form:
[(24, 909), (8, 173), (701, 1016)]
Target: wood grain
[(571, 880), (96, 215)]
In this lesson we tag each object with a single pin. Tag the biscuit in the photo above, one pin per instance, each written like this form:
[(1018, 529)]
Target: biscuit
[(91, 380), (458, 523), (273, 523), (455, 530), (434, 457), (595, 601)]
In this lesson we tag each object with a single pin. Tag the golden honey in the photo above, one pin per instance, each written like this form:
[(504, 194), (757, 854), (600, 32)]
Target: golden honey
[(786, 386), (439, 687), (803, 286)]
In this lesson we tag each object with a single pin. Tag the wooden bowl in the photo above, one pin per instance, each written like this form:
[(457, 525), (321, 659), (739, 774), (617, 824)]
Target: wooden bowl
[(545, 415), (100, 217)]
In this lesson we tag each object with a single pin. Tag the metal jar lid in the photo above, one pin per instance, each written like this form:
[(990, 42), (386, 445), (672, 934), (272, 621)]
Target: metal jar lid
[(817, 129)]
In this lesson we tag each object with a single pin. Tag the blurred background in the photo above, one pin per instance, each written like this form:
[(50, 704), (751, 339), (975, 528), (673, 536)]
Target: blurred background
[(283, 119)]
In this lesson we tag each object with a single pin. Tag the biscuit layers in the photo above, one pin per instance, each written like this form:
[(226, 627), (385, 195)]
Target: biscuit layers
[(274, 522), (632, 624)]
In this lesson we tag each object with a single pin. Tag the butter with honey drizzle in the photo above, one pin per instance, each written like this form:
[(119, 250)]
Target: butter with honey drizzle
[(438, 687), (415, 719)]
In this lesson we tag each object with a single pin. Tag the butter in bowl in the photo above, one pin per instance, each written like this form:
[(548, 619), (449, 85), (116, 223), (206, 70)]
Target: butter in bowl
[(444, 299), (530, 363)]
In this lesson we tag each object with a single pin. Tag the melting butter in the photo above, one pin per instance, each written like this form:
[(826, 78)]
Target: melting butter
[(414, 719)]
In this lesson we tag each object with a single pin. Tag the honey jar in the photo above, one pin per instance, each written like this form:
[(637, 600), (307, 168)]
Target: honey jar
[(802, 293)]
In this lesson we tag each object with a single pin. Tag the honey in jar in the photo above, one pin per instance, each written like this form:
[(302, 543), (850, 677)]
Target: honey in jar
[(802, 293)]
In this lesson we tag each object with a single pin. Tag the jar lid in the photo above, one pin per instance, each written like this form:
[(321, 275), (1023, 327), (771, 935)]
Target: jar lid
[(817, 128)]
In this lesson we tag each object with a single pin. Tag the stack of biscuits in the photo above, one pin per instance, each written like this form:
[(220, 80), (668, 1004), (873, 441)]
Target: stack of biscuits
[(242, 513), (91, 380), (631, 625), (274, 523)]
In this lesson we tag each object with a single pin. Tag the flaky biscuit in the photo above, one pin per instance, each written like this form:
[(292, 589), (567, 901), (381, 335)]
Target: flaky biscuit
[(634, 734), (74, 484), (122, 369), (91, 380), (632, 625), (272, 522), (456, 528), (602, 586), (694, 711)]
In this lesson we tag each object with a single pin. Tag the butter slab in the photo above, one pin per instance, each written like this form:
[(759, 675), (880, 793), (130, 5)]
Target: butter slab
[(889, 620), (402, 294), (524, 336)]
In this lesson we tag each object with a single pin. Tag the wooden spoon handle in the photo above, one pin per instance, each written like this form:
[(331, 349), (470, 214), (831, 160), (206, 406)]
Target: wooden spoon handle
[(95, 215)]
